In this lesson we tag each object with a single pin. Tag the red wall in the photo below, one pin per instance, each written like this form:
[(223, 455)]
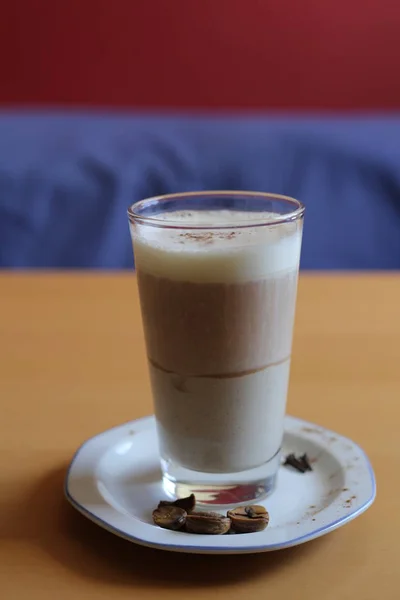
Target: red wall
[(201, 53)]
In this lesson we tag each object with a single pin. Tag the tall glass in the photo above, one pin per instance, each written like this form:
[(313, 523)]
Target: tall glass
[(217, 275)]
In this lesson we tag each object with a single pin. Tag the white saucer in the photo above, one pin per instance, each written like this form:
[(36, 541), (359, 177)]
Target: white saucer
[(114, 479)]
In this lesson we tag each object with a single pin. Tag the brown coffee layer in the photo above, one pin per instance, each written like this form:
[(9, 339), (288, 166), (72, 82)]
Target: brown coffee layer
[(211, 329), (221, 375)]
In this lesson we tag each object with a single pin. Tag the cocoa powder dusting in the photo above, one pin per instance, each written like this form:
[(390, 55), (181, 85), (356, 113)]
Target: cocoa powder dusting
[(208, 237)]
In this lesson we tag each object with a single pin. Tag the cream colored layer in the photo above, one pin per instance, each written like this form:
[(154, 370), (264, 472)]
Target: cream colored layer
[(220, 425)]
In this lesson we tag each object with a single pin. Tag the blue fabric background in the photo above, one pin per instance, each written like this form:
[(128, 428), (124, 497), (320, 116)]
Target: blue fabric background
[(66, 181)]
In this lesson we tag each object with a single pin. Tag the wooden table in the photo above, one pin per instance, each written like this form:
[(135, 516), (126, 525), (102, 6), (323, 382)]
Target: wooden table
[(72, 364)]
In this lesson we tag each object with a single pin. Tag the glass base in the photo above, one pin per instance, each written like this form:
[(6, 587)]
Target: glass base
[(216, 489)]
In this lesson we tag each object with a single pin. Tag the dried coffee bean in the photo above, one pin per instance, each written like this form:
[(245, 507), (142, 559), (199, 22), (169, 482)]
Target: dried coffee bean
[(210, 523), (249, 519), (187, 503), (170, 517)]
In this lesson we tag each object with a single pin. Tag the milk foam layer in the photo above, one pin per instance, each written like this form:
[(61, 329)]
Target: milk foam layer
[(217, 255)]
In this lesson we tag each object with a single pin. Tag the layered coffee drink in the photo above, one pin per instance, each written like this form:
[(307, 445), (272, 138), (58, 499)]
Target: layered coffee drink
[(218, 308)]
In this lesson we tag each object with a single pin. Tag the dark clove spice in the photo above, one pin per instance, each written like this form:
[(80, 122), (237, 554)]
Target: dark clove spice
[(306, 462), (297, 463)]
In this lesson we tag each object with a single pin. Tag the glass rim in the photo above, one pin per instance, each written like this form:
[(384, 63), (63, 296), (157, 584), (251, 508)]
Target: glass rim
[(294, 215)]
